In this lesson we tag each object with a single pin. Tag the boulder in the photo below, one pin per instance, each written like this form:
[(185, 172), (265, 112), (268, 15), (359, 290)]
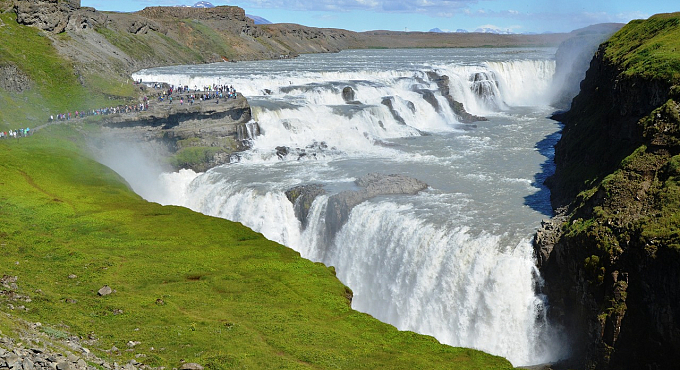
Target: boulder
[(47, 15), (105, 290), (191, 366), (86, 19), (349, 96)]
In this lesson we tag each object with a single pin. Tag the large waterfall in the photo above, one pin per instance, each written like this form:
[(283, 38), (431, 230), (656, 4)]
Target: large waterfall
[(453, 261)]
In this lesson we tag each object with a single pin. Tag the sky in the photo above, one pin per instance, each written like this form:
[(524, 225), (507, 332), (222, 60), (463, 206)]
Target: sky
[(517, 16)]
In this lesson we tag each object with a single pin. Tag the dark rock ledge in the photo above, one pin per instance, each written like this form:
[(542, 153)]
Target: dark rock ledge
[(219, 128)]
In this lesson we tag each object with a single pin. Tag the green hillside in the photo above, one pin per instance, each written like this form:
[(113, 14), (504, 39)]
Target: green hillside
[(187, 287), (648, 48)]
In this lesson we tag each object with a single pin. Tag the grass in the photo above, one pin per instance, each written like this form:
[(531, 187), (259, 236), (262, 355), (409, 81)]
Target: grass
[(54, 80), (205, 39), (187, 286), (649, 48), (132, 45)]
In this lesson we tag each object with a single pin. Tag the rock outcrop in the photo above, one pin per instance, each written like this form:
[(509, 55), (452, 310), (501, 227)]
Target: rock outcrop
[(389, 103), (372, 185), (13, 79), (216, 129), (231, 19), (349, 95), (340, 204), (302, 198), (457, 107), (48, 15), (611, 261)]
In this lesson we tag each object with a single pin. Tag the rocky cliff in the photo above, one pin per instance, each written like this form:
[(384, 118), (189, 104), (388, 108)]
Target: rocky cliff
[(198, 135), (611, 259)]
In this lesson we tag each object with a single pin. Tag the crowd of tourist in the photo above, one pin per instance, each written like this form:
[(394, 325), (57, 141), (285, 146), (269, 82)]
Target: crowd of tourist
[(128, 108), (185, 94), (182, 94), (171, 93), (22, 132)]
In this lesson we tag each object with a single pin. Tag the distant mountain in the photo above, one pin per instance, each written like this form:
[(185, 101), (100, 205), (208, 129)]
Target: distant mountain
[(493, 30), (439, 30), (258, 20), (203, 4)]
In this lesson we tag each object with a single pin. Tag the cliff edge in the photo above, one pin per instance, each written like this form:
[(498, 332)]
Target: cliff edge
[(611, 259)]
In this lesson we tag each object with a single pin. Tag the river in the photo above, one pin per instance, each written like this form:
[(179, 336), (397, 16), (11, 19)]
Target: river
[(454, 261)]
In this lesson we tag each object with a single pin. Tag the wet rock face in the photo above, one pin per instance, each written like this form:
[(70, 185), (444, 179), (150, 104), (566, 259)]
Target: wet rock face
[(388, 102), (373, 185), (302, 198), (348, 94), (339, 205), (457, 107)]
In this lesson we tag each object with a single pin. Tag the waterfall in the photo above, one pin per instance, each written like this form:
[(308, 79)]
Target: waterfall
[(526, 82), (435, 263), (301, 109)]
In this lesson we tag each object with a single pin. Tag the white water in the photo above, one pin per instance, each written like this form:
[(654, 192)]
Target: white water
[(454, 261)]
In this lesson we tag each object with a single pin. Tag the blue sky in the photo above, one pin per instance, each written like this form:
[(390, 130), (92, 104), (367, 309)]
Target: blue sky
[(520, 16)]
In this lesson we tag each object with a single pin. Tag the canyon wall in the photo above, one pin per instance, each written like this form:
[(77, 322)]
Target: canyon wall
[(611, 258)]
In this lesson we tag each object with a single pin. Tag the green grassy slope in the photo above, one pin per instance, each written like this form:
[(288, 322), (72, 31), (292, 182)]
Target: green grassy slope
[(648, 48), (55, 86), (189, 286)]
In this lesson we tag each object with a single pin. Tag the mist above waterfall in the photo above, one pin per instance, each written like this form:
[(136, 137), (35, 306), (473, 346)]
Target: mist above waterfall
[(573, 59), (453, 261)]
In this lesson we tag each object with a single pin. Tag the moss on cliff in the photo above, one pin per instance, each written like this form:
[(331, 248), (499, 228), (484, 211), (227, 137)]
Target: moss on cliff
[(649, 48), (615, 283), (631, 75)]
